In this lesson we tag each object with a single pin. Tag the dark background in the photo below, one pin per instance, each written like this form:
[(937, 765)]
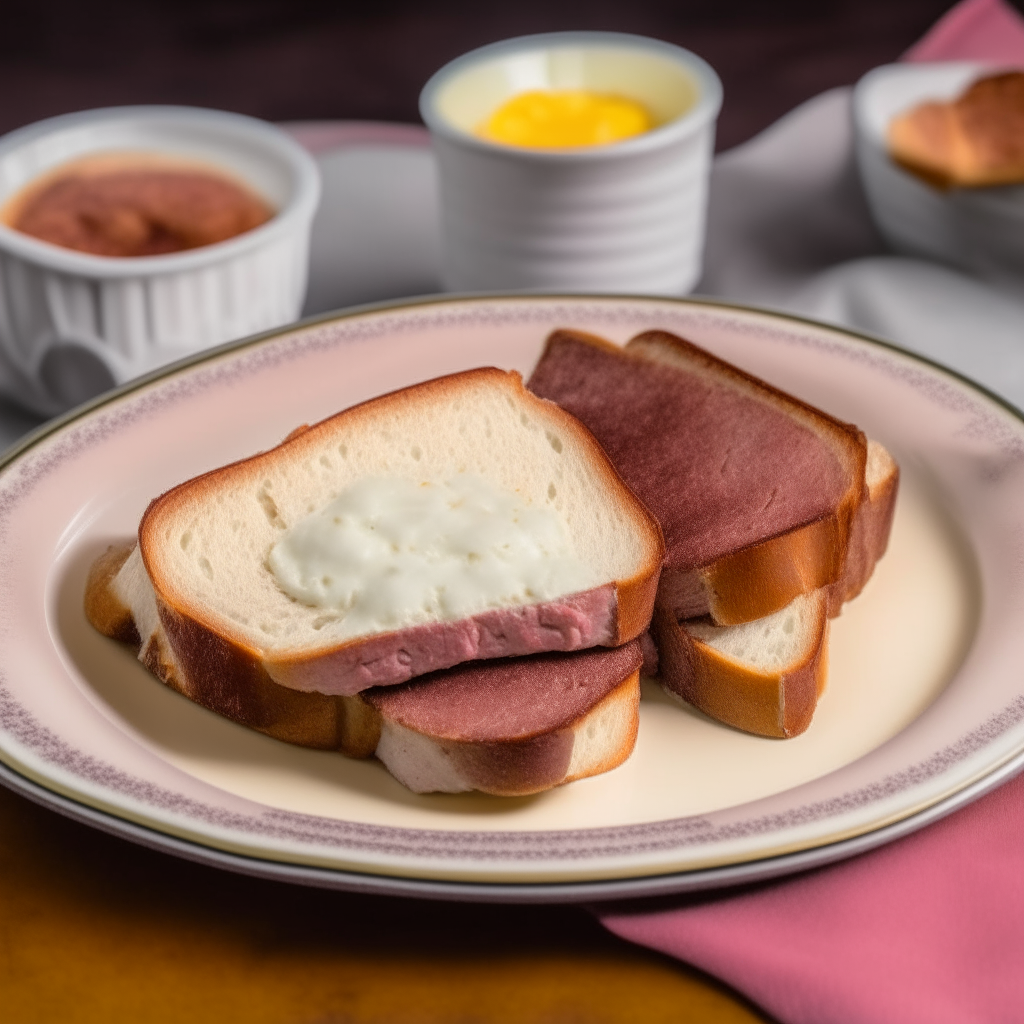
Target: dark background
[(306, 59)]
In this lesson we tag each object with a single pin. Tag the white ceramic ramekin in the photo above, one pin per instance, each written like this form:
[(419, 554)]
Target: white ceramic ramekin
[(980, 230), (72, 324), (624, 217)]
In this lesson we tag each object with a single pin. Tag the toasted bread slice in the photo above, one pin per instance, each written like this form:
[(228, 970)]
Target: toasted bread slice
[(975, 140), (755, 491), (204, 546), (512, 727), (508, 727), (763, 677), (872, 523)]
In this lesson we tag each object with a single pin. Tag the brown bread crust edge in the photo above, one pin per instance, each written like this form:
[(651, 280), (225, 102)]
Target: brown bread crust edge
[(103, 608), (225, 681), (778, 705)]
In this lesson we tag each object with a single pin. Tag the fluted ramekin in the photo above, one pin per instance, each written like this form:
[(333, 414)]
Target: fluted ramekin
[(979, 230), (624, 217), (73, 323)]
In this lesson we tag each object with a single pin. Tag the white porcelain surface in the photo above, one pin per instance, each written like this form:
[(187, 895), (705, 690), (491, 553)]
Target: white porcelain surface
[(626, 217), (978, 230), (72, 324), (925, 695)]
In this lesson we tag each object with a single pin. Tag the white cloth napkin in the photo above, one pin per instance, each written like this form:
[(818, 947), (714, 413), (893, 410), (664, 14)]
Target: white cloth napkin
[(788, 228)]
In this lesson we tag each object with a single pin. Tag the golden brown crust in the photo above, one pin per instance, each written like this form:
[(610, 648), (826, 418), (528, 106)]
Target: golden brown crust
[(635, 595), (224, 680), (923, 142), (975, 140), (513, 768), (778, 705), (869, 535), (297, 432), (635, 599), (103, 608), (740, 587)]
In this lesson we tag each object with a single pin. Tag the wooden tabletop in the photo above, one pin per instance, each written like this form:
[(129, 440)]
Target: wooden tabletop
[(96, 929), (93, 928)]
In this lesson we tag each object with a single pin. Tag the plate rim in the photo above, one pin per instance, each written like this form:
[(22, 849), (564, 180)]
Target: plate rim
[(586, 892), (798, 857)]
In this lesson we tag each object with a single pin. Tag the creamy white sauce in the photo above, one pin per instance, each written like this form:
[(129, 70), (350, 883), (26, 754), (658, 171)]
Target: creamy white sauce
[(388, 553)]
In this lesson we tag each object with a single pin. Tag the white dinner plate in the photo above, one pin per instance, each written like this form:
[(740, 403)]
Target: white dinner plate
[(924, 709)]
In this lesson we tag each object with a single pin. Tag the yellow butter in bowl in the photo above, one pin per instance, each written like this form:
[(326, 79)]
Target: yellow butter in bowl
[(565, 118)]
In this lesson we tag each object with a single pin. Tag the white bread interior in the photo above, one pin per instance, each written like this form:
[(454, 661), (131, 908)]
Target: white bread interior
[(769, 645)]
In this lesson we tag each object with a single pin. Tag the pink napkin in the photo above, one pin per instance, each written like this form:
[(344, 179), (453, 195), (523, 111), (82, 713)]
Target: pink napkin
[(974, 30), (323, 136), (929, 928)]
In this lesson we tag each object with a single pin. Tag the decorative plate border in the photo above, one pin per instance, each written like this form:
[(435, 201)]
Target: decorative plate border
[(22, 469)]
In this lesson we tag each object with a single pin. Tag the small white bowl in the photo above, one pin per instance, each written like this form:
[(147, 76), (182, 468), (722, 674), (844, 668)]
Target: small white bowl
[(979, 230), (623, 217), (73, 324)]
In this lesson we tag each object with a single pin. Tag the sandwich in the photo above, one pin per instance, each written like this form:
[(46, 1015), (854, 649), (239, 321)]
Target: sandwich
[(459, 520), (722, 442), (510, 726)]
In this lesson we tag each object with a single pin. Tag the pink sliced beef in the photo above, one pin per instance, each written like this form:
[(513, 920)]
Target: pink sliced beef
[(719, 470)]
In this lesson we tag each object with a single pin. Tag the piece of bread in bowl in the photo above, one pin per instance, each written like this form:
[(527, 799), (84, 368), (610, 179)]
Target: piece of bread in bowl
[(755, 490), (459, 519), (514, 726), (972, 141)]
